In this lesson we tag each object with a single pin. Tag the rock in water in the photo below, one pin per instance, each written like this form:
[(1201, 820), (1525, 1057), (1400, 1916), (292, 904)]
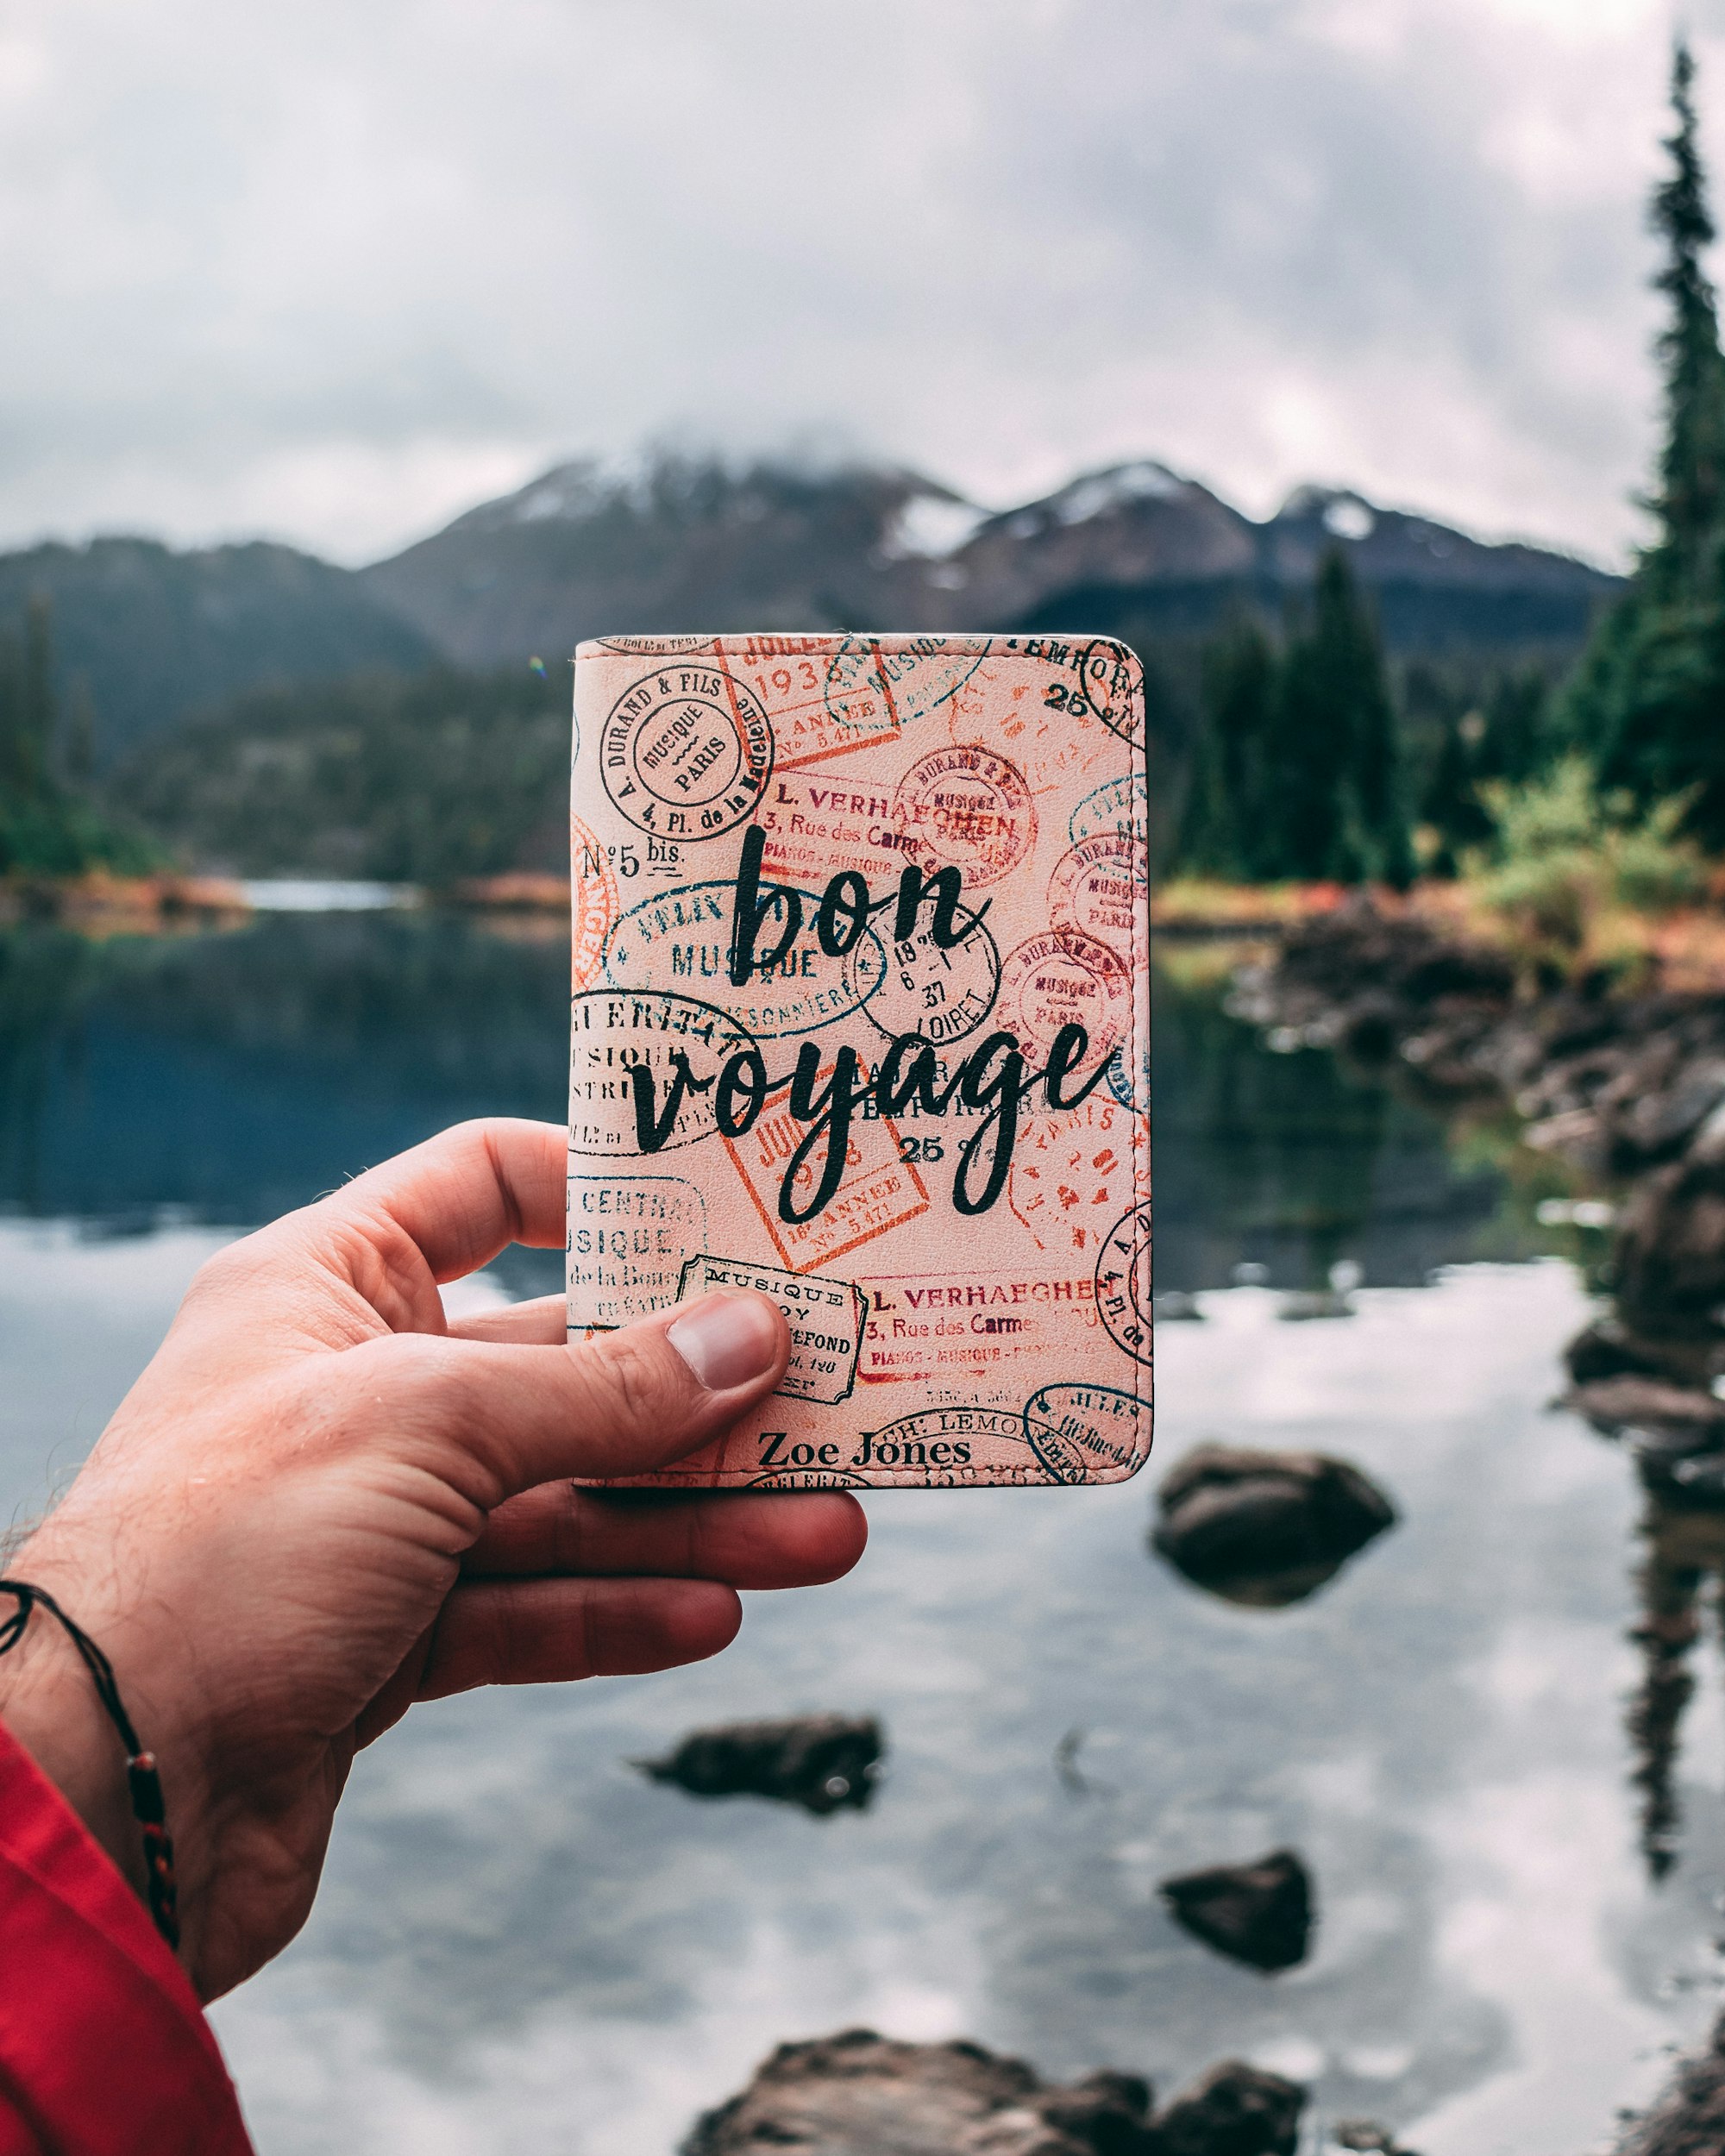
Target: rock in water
[(1266, 1528), (819, 1761), (1260, 1913), (862, 2095), (1607, 1348), (1235, 2110), (1669, 1256), (1630, 1402)]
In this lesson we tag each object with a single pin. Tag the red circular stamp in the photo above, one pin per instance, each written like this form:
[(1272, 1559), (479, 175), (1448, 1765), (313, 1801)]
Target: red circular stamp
[(592, 903), (1101, 888), (1063, 977), (968, 807)]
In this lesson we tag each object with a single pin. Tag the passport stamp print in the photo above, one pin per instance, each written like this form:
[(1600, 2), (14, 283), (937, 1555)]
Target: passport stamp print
[(1117, 804), (1063, 977), (685, 751), (1123, 1289), (1101, 888), (940, 1443), (629, 1238), (874, 686), (811, 719), (970, 809), (955, 1329), (817, 823), (826, 1318), (942, 993), (1073, 1177), (592, 903), (680, 940), (611, 1030), (879, 1191), (1086, 1433)]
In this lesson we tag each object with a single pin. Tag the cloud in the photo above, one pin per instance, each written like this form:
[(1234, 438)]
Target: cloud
[(333, 273)]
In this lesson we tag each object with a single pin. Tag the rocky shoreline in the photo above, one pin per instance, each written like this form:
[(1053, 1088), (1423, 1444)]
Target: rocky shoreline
[(1629, 1089)]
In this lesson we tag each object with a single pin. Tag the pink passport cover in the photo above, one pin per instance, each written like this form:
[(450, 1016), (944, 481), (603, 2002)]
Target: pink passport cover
[(955, 1321)]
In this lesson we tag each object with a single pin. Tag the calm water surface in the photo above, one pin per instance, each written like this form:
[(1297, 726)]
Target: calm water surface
[(522, 1947)]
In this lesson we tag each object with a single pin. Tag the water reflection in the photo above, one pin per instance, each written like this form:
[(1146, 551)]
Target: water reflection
[(1682, 1569), (524, 1944)]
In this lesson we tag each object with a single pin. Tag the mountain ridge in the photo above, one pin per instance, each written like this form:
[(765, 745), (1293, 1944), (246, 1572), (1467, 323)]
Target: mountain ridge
[(669, 543)]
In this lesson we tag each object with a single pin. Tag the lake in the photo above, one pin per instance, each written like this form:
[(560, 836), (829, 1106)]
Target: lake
[(523, 1947)]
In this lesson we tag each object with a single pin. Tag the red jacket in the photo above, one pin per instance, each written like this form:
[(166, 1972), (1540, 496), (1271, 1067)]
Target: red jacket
[(103, 2050)]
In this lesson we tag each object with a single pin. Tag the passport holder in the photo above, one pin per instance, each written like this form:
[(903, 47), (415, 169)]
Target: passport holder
[(860, 1018)]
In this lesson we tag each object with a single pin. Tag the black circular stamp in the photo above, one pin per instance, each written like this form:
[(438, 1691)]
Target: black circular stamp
[(1111, 679), (614, 1031), (686, 751), (1087, 1434), (1123, 1290), (943, 994), (652, 646)]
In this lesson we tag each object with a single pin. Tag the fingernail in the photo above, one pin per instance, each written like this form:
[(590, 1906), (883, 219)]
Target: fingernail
[(726, 1339)]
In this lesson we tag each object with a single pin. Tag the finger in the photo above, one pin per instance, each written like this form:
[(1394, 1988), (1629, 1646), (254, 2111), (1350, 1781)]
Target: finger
[(436, 1212), (500, 1419), (549, 1631), (746, 1538), (540, 1323)]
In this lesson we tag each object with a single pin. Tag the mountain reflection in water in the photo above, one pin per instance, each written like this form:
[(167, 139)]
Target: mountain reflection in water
[(521, 1946)]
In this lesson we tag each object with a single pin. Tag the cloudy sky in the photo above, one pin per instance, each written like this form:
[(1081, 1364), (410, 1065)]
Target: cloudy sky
[(333, 271)]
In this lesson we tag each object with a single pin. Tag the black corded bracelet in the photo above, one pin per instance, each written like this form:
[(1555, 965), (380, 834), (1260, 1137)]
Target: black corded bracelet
[(142, 1776)]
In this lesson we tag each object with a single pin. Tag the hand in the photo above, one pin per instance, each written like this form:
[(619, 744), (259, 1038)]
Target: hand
[(322, 1502)]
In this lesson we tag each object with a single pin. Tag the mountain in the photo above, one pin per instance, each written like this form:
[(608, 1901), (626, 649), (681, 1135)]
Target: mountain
[(149, 633), (683, 543), (152, 634)]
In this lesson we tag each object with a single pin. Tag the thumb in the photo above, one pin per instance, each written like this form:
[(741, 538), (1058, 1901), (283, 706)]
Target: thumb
[(509, 1417)]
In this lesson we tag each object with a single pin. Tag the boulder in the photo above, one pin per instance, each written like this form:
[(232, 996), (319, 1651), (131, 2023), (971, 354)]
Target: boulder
[(1669, 1261), (821, 1762), (1264, 1528), (1608, 1348), (858, 2094), (1235, 2110), (1258, 1913)]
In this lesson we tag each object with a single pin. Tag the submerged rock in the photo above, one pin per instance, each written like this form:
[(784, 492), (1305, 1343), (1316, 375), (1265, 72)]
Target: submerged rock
[(819, 1761), (858, 2094), (1259, 1912), (1266, 1528)]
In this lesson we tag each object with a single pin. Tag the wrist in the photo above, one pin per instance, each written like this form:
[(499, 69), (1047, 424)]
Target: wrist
[(51, 1704)]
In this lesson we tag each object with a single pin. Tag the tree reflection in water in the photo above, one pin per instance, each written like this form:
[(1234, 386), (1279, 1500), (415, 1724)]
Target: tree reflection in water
[(1683, 1567)]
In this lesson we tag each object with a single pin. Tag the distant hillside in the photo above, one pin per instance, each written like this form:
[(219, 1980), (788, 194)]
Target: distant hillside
[(152, 633), (683, 543), (675, 543)]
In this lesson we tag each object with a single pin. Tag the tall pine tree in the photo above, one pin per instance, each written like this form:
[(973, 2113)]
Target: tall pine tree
[(1333, 804), (1221, 831), (1648, 700)]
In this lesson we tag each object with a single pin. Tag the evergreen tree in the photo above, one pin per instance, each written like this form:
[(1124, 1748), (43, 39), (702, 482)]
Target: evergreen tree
[(1691, 488), (1221, 831), (1333, 805), (1648, 700)]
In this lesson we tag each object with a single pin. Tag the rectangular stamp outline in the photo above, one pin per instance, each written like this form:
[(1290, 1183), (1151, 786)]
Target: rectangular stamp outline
[(857, 1242), (695, 1279), (830, 644)]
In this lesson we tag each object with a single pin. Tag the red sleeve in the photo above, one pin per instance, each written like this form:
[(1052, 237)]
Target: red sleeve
[(103, 2049)]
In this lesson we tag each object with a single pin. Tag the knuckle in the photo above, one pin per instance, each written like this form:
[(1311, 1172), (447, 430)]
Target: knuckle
[(649, 1384)]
